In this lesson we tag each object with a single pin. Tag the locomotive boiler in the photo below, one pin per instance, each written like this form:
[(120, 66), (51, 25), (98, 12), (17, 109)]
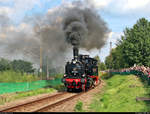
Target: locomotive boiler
[(81, 72)]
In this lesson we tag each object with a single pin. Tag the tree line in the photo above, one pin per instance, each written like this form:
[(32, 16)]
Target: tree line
[(132, 48), (16, 65)]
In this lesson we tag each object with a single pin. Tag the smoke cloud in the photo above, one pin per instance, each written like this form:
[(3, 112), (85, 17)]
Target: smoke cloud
[(85, 28), (56, 33)]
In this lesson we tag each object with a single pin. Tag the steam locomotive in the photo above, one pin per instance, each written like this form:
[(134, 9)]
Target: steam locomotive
[(81, 72)]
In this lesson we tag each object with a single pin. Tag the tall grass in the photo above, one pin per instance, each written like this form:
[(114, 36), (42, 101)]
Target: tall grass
[(20, 95), (119, 95), (78, 107), (12, 76)]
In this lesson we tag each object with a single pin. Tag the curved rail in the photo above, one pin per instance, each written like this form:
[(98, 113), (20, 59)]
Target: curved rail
[(59, 102), (22, 107)]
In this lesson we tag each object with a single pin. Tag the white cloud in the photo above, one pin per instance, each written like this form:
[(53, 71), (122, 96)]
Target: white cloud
[(122, 5), (23, 27), (6, 11), (5, 1), (101, 3), (11, 29), (18, 8), (134, 4), (2, 36), (113, 37)]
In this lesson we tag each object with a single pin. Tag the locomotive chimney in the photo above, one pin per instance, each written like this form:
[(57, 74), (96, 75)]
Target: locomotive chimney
[(75, 52)]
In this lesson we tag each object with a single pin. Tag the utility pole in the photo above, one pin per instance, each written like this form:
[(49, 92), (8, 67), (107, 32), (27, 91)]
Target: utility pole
[(47, 68), (110, 55), (41, 61)]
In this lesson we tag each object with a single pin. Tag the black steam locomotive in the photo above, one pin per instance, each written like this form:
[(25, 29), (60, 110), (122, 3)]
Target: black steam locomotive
[(81, 72)]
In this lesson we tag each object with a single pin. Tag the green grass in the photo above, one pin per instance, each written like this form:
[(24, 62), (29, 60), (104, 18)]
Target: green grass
[(20, 95), (119, 95), (78, 107), (12, 76), (35, 92)]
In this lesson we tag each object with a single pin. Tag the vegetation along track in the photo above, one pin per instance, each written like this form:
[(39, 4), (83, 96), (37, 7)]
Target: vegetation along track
[(43, 104)]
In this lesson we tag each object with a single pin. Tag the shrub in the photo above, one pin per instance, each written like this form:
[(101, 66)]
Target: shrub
[(12, 76), (79, 106)]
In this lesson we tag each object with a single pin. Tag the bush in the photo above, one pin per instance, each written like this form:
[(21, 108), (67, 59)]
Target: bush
[(12, 76), (60, 87), (79, 106), (34, 92), (106, 76), (58, 76)]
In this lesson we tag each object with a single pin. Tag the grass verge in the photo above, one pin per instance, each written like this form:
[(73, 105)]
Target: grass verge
[(79, 107), (5, 98), (119, 95), (12, 76)]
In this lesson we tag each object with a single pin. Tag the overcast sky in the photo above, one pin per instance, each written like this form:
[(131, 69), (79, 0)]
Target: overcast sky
[(118, 14)]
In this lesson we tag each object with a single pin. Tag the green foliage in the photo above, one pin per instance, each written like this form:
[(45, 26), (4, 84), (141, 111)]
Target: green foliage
[(136, 43), (106, 76), (60, 87), (58, 76), (22, 66), (119, 95), (16, 65), (12, 76), (79, 106), (4, 64), (133, 48), (34, 92), (5, 98), (101, 65)]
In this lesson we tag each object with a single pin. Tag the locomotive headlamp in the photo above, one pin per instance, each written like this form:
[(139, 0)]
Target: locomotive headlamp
[(65, 75), (74, 62), (83, 75)]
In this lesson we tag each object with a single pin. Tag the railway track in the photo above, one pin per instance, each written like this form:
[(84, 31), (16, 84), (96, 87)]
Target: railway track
[(44, 104), (35, 104), (48, 107)]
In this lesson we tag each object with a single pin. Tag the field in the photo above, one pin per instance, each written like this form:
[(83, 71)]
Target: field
[(5, 98), (12, 76), (119, 95)]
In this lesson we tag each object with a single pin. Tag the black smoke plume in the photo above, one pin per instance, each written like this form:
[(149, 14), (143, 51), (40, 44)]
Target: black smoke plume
[(84, 27)]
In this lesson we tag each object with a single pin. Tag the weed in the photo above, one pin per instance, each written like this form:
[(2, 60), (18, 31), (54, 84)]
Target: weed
[(12, 76), (19, 95), (79, 106)]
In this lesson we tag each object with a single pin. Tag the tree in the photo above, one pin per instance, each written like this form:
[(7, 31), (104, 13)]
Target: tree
[(101, 65), (133, 48), (22, 66), (4, 64), (136, 43)]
